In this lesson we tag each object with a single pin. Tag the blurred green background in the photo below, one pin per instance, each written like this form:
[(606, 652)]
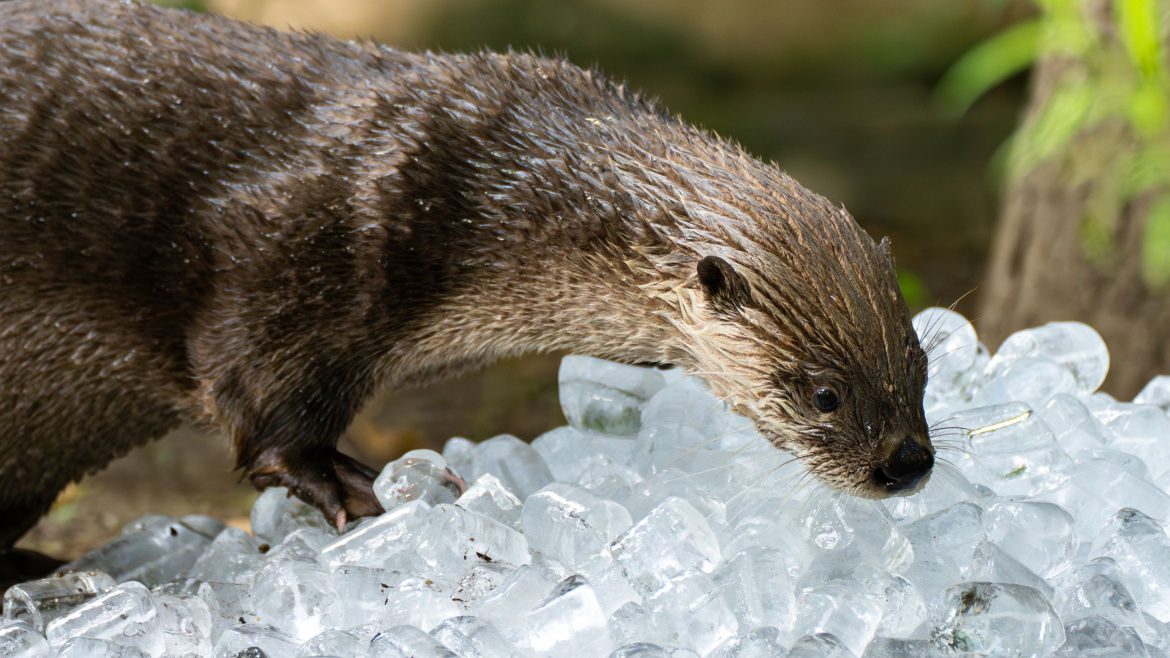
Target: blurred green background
[(840, 94)]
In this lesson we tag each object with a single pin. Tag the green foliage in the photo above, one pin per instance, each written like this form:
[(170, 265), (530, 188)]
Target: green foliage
[(913, 290), (193, 5), (987, 65), (1105, 121)]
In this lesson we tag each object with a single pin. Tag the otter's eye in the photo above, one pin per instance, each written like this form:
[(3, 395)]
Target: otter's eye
[(825, 399)]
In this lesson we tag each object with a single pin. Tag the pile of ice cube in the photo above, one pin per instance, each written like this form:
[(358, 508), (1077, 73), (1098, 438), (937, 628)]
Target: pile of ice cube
[(659, 524)]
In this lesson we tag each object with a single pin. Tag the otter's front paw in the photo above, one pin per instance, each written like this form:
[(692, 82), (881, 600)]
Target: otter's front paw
[(341, 487)]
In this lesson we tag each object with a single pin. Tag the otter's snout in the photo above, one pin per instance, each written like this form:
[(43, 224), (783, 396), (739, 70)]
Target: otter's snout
[(908, 465)]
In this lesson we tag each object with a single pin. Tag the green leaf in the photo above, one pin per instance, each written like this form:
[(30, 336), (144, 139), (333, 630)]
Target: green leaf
[(1137, 22), (1156, 245), (913, 290), (988, 64)]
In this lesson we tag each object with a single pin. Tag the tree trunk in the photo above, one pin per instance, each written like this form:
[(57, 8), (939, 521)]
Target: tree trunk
[(1038, 271)]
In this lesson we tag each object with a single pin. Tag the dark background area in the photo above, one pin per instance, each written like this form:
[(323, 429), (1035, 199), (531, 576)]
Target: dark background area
[(838, 94)]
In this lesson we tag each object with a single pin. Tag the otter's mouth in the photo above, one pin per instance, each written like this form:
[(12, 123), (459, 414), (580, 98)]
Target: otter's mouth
[(904, 471)]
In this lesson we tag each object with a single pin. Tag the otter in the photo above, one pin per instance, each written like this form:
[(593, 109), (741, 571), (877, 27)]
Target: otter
[(209, 221)]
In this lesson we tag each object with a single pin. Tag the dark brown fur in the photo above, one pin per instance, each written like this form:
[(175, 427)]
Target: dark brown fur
[(212, 221)]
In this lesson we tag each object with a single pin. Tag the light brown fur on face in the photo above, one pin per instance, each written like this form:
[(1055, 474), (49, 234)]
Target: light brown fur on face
[(256, 230)]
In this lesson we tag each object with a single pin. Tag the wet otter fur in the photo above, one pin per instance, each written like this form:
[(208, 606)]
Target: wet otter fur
[(210, 221)]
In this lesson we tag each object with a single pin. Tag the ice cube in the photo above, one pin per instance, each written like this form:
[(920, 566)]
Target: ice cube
[(681, 429), (849, 615), (952, 348), (489, 497), (648, 650), (365, 592), (570, 623), (1013, 451), (1096, 489), (418, 475), (903, 608), (1040, 535), (1099, 636), (1028, 380), (1095, 589), (418, 601), (454, 540), (162, 552), (277, 513), (650, 492), (338, 644), (472, 637), (571, 524), (1077, 347), (1142, 550), (757, 587), (89, 647), (519, 467), (126, 614), (507, 606), (480, 581), (296, 598), (1071, 423), (272, 642), (671, 539), (460, 455), (382, 544), (234, 557), (407, 642), (991, 564), (605, 397), (944, 544), (1143, 431), (229, 605), (769, 533), (759, 643), (186, 625), (1156, 393), (39, 602), (689, 611), (847, 532), (821, 645), (19, 640), (995, 619)]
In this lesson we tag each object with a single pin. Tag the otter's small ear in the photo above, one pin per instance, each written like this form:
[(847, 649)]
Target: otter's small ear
[(723, 285)]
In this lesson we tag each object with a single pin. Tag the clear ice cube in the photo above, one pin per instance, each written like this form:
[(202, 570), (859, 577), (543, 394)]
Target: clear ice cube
[(1076, 346), (296, 597), (671, 539), (163, 551), (277, 513), (381, 544), (569, 623), (489, 497), (995, 619), (571, 524), (240, 638), (19, 640), (407, 642), (689, 610), (418, 475), (1142, 551), (472, 637), (603, 397), (39, 602), (454, 540), (126, 614), (849, 615), (517, 464)]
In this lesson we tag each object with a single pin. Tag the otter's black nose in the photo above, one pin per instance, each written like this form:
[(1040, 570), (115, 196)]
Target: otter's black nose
[(905, 467)]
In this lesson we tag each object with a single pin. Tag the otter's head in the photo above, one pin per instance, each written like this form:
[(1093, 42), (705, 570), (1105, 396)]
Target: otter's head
[(798, 321)]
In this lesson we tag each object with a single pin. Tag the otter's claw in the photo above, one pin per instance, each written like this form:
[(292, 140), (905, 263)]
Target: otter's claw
[(341, 487)]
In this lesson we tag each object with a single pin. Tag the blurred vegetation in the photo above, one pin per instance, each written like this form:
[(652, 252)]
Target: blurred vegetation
[(1110, 99)]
